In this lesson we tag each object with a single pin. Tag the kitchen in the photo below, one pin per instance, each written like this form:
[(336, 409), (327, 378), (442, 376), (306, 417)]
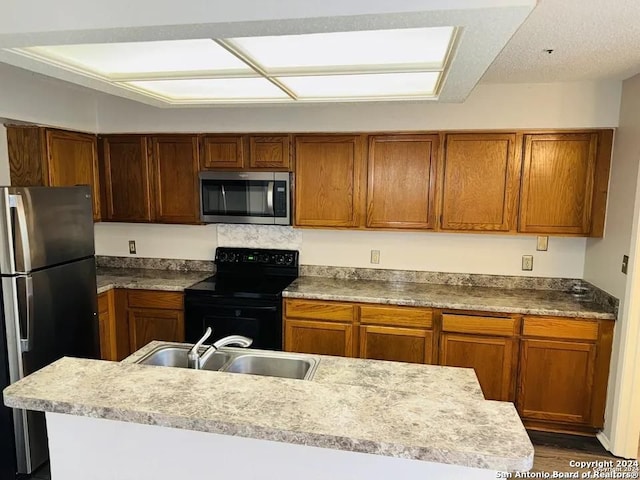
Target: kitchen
[(584, 104)]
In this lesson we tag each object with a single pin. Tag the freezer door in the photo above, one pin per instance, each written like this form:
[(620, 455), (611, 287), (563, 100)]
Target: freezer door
[(50, 314), (44, 226)]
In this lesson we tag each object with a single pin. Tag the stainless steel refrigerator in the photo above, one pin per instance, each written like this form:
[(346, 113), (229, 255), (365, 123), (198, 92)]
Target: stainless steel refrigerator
[(49, 301)]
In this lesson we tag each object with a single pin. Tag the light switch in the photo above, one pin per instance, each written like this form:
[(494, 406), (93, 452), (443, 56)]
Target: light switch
[(543, 243)]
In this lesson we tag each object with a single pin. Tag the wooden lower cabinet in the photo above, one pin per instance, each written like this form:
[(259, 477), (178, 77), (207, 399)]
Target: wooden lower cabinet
[(148, 324), (323, 338), (396, 344), (492, 358), (107, 326)]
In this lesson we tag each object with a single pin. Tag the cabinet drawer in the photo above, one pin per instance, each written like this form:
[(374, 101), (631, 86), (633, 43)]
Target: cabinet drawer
[(551, 327), (397, 316), (155, 299), (505, 327), (317, 310)]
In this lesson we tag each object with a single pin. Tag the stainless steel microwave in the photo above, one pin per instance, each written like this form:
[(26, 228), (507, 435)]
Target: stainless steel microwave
[(245, 197)]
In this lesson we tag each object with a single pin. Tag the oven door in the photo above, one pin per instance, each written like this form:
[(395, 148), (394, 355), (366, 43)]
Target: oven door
[(260, 320), (245, 197)]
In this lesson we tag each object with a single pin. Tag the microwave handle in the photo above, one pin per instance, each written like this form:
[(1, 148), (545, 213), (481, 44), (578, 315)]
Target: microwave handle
[(224, 198), (270, 188)]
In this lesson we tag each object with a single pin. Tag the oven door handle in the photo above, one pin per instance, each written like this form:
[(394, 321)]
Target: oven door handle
[(233, 307)]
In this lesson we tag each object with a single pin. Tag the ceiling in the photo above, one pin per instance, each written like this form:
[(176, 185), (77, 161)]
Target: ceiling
[(500, 41), (592, 40)]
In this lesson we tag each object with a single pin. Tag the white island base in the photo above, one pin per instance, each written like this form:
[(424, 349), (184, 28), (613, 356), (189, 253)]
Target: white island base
[(83, 448)]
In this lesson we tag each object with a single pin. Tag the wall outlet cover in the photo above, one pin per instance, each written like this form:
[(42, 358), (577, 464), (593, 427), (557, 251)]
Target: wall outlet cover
[(625, 264), (527, 262), (375, 256), (132, 247)]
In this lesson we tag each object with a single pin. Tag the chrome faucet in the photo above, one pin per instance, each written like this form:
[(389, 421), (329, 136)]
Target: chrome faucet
[(195, 360)]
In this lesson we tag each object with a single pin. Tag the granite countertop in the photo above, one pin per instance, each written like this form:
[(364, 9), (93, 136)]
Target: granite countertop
[(423, 417), (488, 299), (147, 279)]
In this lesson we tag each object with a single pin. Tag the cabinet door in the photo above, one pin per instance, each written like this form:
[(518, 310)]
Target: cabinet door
[(492, 358), (73, 160), (556, 380), (222, 152), (398, 344), (146, 325), (107, 326), (557, 183), (481, 175), (175, 166), (324, 338), (269, 152), (328, 182), (127, 185), (401, 181)]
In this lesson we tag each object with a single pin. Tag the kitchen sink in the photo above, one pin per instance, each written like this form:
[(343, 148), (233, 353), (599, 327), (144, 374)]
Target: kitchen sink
[(238, 360), (273, 365), (177, 357)]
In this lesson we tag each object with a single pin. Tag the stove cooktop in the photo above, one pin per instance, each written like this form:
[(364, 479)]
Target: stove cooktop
[(238, 287)]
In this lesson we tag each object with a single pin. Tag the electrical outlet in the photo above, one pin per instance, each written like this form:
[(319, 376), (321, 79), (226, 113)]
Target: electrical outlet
[(132, 247), (375, 256), (543, 243), (625, 263), (527, 262)]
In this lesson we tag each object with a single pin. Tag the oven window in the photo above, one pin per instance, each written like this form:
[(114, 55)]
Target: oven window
[(236, 198)]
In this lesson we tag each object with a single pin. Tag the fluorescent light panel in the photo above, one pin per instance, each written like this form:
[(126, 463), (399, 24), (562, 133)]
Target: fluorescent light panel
[(120, 59), (427, 47), (363, 86), (213, 89)]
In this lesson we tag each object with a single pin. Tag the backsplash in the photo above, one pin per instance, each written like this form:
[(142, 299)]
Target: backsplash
[(155, 263), (259, 236)]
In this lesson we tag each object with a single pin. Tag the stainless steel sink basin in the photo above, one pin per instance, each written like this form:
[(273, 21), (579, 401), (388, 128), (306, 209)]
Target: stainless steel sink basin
[(238, 360), (177, 357), (272, 365)]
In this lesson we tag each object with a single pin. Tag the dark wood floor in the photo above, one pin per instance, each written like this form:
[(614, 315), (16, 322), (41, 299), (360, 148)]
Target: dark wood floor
[(554, 452)]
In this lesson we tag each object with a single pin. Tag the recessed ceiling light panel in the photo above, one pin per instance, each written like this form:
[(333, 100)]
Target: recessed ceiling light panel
[(381, 85), (131, 59), (211, 90), (411, 47)]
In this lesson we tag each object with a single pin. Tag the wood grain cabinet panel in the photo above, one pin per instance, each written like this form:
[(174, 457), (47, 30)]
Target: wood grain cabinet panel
[(320, 310), (411, 345), (323, 338), (55, 158), (127, 178), (557, 183), (146, 325), (269, 152), (481, 176), (556, 380), (401, 184), (175, 166), (328, 182), (494, 360), (225, 152), (107, 326)]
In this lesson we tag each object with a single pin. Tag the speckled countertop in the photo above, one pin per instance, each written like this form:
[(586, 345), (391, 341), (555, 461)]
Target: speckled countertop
[(532, 302), (338, 409), (147, 279)]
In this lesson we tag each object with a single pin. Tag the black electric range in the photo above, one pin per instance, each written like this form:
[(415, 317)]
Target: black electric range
[(244, 297)]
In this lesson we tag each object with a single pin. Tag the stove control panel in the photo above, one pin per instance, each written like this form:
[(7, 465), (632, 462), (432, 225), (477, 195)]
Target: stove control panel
[(257, 256)]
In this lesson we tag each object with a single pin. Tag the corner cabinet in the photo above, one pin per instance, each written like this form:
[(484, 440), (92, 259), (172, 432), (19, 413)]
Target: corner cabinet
[(564, 183), (41, 156), (401, 183), (329, 180), (480, 182)]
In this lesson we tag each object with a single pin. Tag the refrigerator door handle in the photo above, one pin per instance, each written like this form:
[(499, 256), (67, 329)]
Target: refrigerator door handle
[(26, 314), (16, 201)]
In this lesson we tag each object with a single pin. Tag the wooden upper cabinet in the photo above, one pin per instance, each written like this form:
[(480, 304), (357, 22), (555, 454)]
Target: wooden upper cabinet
[(56, 158), (269, 152), (127, 178), (328, 182), (175, 167), (480, 181), (225, 152), (558, 183), (401, 186)]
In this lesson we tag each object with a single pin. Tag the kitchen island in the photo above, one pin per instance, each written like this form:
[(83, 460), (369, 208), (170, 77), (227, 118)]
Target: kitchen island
[(355, 419)]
